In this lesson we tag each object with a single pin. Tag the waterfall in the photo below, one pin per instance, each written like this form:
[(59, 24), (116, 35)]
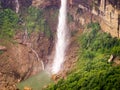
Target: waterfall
[(17, 6), (38, 58), (62, 38)]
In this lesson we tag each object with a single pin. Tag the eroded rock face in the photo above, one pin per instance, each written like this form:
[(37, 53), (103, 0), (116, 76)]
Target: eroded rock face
[(12, 3), (115, 3), (8, 4), (3, 48), (46, 3), (20, 62), (26, 3), (40, 3)]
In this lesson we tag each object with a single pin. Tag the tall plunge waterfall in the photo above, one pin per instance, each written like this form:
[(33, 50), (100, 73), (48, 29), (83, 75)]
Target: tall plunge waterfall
[(62, 38)]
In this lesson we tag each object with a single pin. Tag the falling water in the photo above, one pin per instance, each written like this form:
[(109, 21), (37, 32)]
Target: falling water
[(62, 39), (17, 6)]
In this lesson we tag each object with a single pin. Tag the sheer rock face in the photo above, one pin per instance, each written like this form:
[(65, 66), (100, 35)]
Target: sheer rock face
[(20, 62), (26, 3), (7, 4), (41, 3), (110, 13), (115, 3), (46, 3), (12, 3)]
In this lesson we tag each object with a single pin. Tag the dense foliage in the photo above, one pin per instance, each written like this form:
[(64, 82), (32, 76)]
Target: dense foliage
[(30, 19), (93, 72), (33, 20), (97, 40), (8, 23)]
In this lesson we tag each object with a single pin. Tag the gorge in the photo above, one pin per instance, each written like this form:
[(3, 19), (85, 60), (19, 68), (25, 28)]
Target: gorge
[(59, 44)]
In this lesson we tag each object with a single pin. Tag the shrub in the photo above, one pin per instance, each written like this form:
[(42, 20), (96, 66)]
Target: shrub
[(89, 54), (35, 21), (8, 23), (96, 40), (95, 26), (116, 51), (1, 52)]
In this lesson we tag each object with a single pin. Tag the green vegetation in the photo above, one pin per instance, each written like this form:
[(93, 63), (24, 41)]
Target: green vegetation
[(97, 40), (8, 23), (30, 19), (92, 71), (1, 52), (33, 20), (35, 82), (70, 18), (116, 50)]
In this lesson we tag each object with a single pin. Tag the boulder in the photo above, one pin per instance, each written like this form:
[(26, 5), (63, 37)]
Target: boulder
[(27, 88), (55, 77), (3, 48), (111, 58)]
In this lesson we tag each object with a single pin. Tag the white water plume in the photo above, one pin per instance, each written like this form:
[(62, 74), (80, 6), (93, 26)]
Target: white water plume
[(62, 40), (17, 6)]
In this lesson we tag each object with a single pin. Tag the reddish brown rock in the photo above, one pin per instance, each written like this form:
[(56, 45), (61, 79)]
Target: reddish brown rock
[(3, 48), (12, 3), (55, 77), (27, 88), (19, 62), (49, 3)]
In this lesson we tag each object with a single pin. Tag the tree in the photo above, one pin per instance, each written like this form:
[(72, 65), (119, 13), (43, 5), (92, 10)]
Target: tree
[(8, 23)]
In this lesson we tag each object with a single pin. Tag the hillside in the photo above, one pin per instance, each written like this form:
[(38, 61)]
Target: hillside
[(93, 69), (28, 37)]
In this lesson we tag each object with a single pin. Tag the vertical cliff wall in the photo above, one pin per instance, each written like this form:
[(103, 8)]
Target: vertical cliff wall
[(12, 4)]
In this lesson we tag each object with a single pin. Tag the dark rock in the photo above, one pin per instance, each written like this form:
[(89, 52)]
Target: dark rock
[(12, 4)]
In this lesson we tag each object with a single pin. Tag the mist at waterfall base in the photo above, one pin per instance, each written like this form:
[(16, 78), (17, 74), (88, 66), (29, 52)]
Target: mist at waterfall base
[(62, 40)]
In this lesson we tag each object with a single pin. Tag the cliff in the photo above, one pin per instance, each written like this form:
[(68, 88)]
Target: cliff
[(12, 3), (109, 13), (80, 12)]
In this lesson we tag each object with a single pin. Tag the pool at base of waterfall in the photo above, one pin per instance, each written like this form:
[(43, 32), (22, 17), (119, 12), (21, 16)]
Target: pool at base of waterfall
[(36, 82)]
